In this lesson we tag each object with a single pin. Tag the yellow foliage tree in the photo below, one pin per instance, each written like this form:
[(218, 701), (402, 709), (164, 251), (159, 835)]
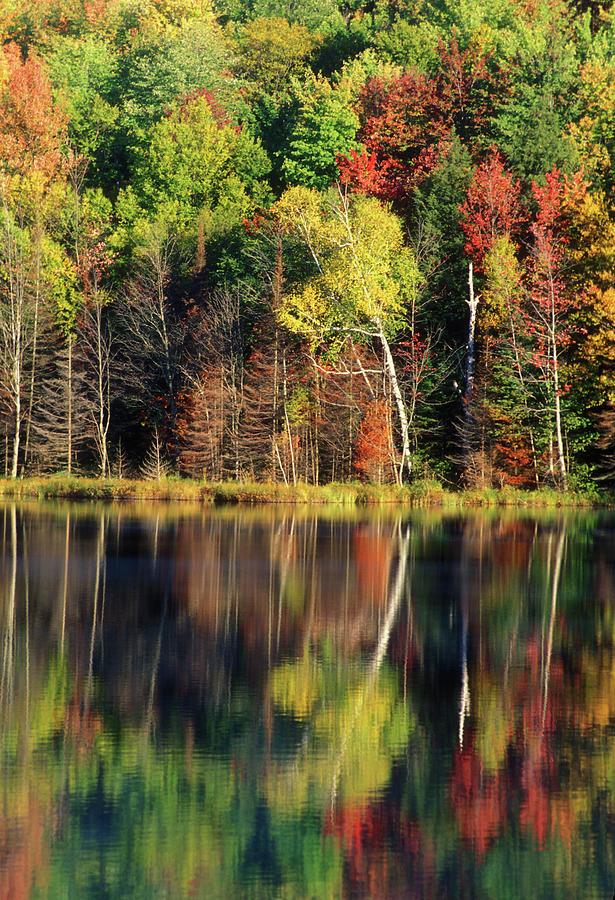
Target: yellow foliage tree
[(363, 277)]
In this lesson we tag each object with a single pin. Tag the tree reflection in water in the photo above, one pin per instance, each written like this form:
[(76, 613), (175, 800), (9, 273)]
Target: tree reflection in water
[(289, 703)]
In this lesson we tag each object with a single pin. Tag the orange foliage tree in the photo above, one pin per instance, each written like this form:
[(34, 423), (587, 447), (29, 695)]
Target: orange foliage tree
[(374, 454)]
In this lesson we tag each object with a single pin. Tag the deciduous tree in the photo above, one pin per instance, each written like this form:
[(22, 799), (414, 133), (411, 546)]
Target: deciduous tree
[(363, 277)]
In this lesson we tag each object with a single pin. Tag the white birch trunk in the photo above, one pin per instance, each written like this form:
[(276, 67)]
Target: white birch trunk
[(472, 303), (406, 460)]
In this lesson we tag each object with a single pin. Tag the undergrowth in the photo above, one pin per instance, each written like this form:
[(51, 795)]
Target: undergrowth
[(421, 493)]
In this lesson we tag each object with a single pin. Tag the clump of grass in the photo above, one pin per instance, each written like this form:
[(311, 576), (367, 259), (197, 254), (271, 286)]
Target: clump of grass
[(429, 492), (543, 498), (81, 488)]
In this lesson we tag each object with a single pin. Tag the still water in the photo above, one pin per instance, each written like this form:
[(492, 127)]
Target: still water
[(299, 703)]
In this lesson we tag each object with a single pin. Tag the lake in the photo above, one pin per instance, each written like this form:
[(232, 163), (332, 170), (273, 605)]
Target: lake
[(306, 703)]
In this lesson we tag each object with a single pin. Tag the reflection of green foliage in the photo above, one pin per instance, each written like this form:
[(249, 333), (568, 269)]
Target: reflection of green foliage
[(516, 868), (39, 724), (183, 823), (297, 686), (495, 721), (356, 724), (187, 826)]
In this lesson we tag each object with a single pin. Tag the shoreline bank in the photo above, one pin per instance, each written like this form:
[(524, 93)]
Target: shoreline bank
[(420, 493)]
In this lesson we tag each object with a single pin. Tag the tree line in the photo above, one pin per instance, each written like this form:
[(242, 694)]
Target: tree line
[(308, 241)]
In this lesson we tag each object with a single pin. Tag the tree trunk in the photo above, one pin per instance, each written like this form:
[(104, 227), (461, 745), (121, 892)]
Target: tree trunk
[(287, 421), (17, 398), (472, 302), (102, 365), (558, 416), (70, 404), (34, 349), (401, 409), (515, 345)]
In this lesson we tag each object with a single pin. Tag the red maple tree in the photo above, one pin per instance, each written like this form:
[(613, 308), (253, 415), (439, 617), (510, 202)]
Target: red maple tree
[(492, 208)]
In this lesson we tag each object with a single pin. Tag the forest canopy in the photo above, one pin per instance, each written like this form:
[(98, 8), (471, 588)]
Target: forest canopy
[(309, 241)]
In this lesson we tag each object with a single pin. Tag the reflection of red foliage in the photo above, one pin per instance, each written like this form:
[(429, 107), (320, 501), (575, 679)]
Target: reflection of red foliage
[(382, 847), (24, 851), (483, 800), (511, 550), (544, 813), (534, 814), (480, 801), (372, 553), (83, 728)]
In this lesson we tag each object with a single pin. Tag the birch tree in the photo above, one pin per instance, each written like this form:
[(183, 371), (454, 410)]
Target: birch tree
[(361, 280), (551, 307)]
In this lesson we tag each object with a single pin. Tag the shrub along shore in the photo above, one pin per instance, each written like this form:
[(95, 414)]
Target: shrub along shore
[(419, 493)]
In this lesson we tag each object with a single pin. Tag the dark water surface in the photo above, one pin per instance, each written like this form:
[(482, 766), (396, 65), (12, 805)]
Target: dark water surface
[(299, 703)]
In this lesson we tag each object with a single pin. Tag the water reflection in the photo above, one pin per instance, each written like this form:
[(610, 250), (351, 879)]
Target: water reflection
[(292, 704)]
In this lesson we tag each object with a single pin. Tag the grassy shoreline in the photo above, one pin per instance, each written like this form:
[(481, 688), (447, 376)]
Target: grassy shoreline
[(419, 494)]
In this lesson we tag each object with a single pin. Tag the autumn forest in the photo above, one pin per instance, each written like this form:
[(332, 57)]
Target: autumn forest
[(309, 240)]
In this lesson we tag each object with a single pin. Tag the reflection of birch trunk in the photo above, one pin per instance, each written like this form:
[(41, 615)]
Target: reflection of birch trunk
[(26, 574), (393, 607), (464, 700), (557, 570), (395, 599), (155, 551), (100, 547), (274, 554), (149, 716), (9, 637), (65, 585), (284, 576)]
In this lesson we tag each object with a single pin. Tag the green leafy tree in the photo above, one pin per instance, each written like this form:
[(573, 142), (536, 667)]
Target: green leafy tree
[(531, 127), (269, 51), (84, 73), (325, 128), (198, 165)]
